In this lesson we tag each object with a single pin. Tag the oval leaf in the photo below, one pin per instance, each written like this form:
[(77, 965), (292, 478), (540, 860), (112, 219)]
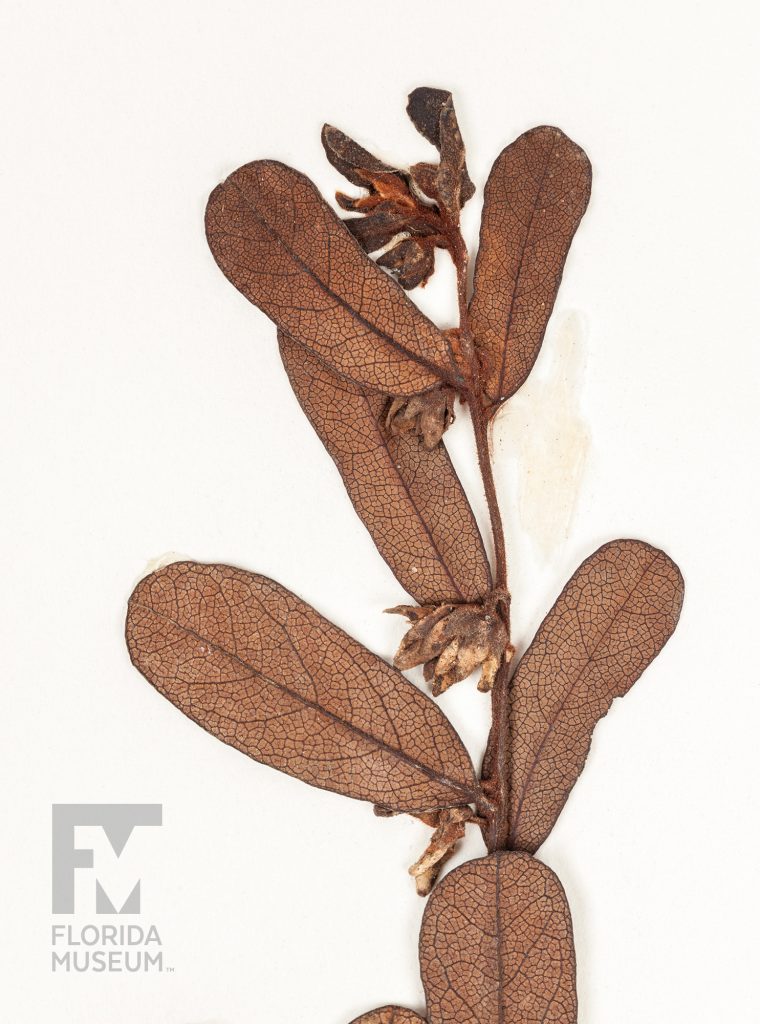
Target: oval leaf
[(496, 945), (410, 499), (536, 194), (280, 244), (389, 1015), (611, 620), (262, 671)]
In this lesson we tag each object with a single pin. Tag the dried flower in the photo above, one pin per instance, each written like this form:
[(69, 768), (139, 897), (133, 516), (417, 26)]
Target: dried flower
[(428, 415), (449, 825), (411, 261), (417, 208), (451, 641), (449, 184)]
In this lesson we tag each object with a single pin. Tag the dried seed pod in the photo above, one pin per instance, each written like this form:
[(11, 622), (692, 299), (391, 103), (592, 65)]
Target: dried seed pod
[(454, 184), (451, 641), (378, 228), (384, 184), (391, 209), (420, 204)]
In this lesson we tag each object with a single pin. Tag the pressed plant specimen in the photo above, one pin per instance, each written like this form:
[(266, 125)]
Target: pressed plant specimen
[(256, 666)]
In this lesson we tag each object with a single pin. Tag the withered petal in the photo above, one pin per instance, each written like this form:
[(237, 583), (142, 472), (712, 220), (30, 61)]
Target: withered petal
[(424, 109), (453, 641), (433, 115), (425, 177), (377, 228), (413, 612), (428, 415), (350, 158), (411, 262), (454, 184)]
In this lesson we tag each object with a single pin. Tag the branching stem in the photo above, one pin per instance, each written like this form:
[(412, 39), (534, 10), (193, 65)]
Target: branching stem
[(480, 429), (495, 774)]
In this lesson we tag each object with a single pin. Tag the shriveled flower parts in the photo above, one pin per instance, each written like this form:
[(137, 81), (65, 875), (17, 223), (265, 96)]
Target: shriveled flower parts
[(453, 641), (428, 415), (252, 663), (407, 213)]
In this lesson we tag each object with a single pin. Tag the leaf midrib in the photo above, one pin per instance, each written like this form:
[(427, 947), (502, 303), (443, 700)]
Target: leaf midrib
[(523, 249), (407, 489), (570, 690), (440, 372), (468, 793)]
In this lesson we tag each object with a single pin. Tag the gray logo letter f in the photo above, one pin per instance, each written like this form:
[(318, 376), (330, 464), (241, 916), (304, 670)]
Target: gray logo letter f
[(117, 821)]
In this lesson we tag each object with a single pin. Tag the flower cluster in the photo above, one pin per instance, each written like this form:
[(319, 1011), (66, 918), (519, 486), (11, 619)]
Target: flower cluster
[(408, 213)]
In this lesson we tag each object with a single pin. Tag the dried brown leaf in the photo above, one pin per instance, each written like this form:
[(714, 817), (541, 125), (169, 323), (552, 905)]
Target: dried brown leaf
[(261, 670), (611, 620), (281, 245), (496, 945), (389, 1015), (536, 194), (410, 499)]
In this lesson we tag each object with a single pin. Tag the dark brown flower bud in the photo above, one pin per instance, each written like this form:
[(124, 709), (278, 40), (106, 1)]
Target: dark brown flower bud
[(432, 114), (425, 178), (352, 160), (413, 211), (411, 262), (451, 641), (428, 415), (378, 228)]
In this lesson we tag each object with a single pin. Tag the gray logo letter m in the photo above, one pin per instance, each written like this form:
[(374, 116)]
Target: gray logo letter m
[(117, 821)]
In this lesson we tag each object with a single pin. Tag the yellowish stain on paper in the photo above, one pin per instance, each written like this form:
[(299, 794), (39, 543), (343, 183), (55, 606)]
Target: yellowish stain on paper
[(542, 430), (161, 561)]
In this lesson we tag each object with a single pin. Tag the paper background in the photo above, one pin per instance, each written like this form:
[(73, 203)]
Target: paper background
[(145, 411)]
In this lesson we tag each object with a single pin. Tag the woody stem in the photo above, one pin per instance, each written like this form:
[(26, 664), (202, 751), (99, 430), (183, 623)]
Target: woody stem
[(495, 773), (480, 429), (479, 419)]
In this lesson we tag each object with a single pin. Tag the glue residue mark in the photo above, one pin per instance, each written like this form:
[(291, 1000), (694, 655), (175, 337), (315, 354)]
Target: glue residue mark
[(161, 561), (542, 432)]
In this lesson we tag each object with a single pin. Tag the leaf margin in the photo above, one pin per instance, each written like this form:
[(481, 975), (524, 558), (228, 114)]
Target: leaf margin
[(466, 793)]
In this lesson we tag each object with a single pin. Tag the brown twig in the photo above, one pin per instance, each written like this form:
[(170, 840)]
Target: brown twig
[(495, 774)]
